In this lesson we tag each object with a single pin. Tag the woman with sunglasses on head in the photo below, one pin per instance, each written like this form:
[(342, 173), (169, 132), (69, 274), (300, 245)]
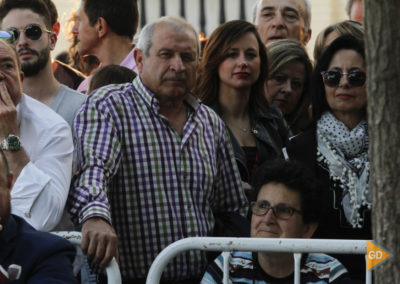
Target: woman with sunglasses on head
[(231, 78), (287, 204), (336, 146)]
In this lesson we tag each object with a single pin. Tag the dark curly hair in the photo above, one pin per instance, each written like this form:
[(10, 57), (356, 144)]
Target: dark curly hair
[(296, 177)]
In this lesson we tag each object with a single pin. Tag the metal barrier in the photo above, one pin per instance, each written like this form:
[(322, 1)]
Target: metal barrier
[(112, 270), (295, 246)]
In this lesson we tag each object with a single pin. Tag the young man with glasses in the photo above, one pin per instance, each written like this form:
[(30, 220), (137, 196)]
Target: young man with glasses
[(30, 23), (288, 204)]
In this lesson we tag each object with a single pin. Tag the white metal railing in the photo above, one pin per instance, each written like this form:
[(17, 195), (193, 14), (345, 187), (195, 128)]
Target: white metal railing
[(295, 246), (112, 270)]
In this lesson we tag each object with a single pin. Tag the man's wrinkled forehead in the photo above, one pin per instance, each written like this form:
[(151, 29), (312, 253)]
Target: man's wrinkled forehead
[(8, 51), (297, 5)]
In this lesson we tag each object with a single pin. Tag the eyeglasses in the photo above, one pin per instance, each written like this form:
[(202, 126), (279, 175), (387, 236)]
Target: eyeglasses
[(355, 78), (260, 208), (32, 31), (5, 35)]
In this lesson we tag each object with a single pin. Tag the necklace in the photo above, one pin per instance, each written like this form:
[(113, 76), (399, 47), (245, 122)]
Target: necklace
[(244, 129)]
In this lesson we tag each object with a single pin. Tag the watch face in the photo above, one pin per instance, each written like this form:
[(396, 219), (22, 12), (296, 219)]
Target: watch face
[(13, 143)]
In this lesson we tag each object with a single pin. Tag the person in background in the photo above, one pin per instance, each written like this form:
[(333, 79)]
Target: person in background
[(288, 85), (280, 19), (231, 78), (154, 162), (63, 72), (30, 22), (332, 32), (87, 64), (355, 10), (107, 33), (335, 146), (287, 203), (111, 74), (38, 145), (38, 257)]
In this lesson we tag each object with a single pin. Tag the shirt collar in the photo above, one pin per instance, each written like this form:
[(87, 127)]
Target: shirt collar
[(150, 99)]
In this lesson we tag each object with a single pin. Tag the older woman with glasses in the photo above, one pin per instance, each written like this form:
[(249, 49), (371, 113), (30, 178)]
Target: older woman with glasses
[(335, 147), (288, 204)]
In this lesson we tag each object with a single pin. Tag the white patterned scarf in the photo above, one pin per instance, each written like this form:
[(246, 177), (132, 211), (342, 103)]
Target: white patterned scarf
[(345, 152)]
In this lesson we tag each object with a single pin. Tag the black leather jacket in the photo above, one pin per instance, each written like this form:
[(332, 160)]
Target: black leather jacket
[(271, 133)]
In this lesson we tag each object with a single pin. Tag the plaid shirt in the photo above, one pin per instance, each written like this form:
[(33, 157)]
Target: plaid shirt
[(153, 185)]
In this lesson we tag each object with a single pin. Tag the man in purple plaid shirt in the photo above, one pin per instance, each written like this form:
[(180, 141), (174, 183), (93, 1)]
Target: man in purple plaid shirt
[(155, 164)]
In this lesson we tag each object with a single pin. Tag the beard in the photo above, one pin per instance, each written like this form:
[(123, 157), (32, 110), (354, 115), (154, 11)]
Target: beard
[(32, 68)]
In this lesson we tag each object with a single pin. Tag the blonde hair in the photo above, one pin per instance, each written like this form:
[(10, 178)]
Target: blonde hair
[(280, 53)]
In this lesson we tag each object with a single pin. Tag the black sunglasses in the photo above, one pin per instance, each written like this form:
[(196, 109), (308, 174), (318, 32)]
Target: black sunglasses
[(260, 208), (32, 31), (355, 78)]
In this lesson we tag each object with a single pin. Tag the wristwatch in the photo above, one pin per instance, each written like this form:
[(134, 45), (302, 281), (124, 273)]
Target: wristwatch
[(11, 143)]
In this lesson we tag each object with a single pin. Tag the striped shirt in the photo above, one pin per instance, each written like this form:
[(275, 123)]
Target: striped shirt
[(152, 184), (243, 268)]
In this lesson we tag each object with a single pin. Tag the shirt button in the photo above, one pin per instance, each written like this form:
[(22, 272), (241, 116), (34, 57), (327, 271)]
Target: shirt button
[(27, 215)]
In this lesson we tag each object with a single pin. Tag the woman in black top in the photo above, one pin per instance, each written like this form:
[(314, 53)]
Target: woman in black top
[(231, 78), (335, 147)]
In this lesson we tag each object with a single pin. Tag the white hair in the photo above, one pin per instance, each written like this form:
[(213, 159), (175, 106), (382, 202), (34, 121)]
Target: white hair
[(307, 14), (349, 4), (145, 40)]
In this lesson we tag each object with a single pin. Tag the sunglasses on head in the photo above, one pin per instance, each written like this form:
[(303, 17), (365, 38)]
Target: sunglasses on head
[(32, 31), (355, 78)]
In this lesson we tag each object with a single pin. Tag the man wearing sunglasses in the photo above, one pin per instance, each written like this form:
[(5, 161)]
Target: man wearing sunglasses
[(38, 145), (30, 23), (106, 32), (288, 204)]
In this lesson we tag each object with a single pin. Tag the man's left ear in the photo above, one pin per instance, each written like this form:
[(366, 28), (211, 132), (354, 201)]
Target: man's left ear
[(53, 40), (309, 230), (102, 27), (56, 28)]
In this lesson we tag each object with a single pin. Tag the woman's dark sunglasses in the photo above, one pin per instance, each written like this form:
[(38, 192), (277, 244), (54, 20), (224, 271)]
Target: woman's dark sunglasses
[(32, 31), (355, 78)]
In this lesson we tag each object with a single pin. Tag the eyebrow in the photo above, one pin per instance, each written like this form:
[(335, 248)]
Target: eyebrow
[(6, 59), (285, 9)]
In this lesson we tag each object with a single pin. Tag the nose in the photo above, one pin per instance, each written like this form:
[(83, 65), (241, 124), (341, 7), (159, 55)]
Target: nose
[(22, 39), (269, 217), (75, 28), (278, 21), (242, 61), (176, 64), (287, 87), (344, 81)]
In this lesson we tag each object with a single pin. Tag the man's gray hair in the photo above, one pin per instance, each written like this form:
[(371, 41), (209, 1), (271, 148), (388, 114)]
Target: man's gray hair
[(307, 13), (145, 40)]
